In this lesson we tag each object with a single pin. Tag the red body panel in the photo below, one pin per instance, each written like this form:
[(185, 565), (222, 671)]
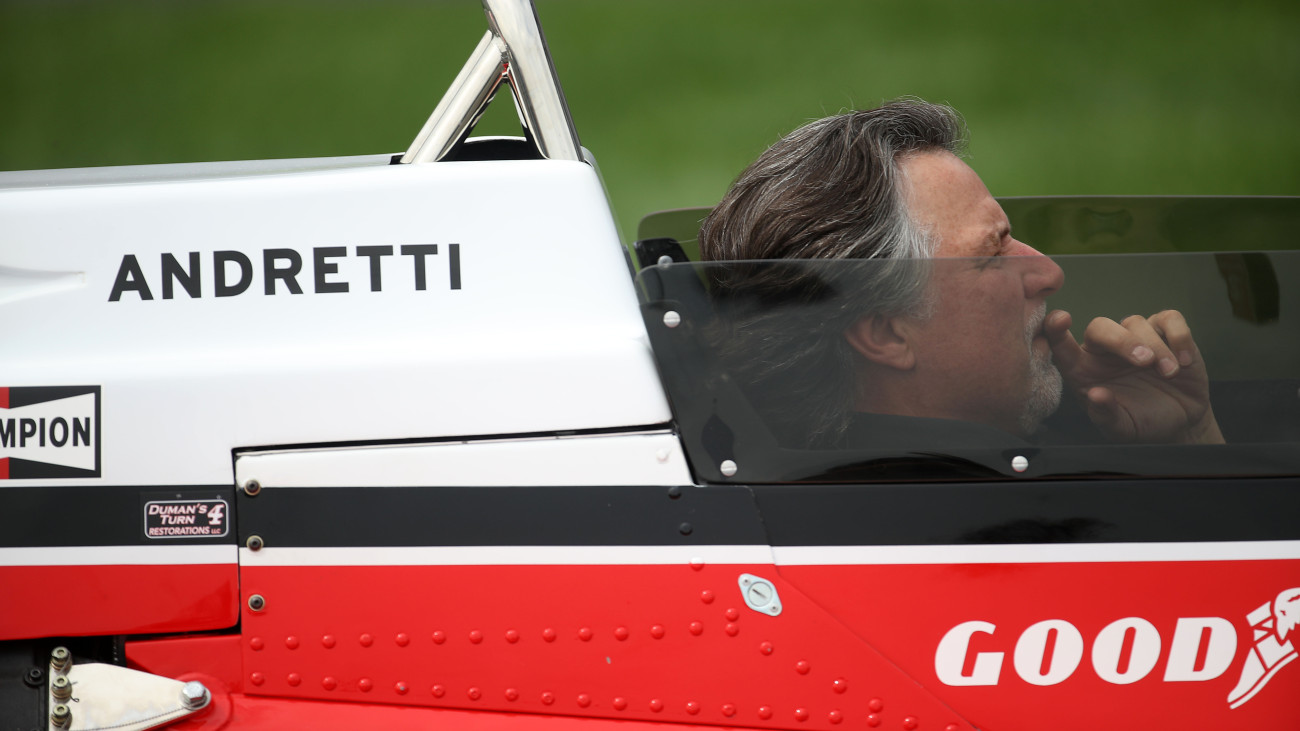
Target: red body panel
[(649, 642), (905, 612), (855, 645), (117, 600), (216, 657), (234, 709)]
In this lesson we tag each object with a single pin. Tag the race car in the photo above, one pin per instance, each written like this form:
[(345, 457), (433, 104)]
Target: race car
[(412, 440)]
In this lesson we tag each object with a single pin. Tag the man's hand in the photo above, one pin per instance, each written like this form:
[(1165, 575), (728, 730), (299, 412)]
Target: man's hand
[(1142, 380)]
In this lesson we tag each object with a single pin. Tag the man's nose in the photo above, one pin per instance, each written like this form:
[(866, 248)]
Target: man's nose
[(1042, 276)]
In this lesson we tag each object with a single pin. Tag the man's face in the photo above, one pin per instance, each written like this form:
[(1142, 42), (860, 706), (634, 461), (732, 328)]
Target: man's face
[(982, 354)]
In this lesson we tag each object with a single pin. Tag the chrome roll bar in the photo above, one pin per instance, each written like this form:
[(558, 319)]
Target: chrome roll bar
[(513, 51)]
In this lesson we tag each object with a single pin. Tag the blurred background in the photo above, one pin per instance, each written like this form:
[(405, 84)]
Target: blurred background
[(675, 97)]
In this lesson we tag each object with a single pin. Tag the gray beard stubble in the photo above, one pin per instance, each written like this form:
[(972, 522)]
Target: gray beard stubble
[(1045, 382)]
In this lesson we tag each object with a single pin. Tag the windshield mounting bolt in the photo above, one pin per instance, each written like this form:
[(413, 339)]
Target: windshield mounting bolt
[(252, 487), (256, 603), (665, 260), (254, 543), (728, 468), (61, 716), (61, 659), (1019, 463), (194, 695), (61, 688), (672, 318)]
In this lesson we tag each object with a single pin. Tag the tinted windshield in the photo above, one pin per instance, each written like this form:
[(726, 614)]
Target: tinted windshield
[(959, 368), (1098, 224)]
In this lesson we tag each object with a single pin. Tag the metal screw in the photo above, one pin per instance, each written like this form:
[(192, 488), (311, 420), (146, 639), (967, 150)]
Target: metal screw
[(254, 543), (256, 603), (672, 318), (61, 716), (194, 695), (665, 260), (1019, 463), (252, 487), (61, 688), (60, 658), (34, 678), (728, 468), (759, 595)]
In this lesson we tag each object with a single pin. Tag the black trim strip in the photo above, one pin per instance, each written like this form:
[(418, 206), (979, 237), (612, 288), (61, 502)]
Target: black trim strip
[(1109, 511), (1103, 511), (97, 515), (494, 516)]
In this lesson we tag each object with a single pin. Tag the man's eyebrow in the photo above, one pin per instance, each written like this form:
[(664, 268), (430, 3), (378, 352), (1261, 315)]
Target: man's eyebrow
[(992, 241), (1000, 233)]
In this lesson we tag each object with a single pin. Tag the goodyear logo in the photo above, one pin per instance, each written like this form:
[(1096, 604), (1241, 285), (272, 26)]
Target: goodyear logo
[(1129, 649), (49, 432)]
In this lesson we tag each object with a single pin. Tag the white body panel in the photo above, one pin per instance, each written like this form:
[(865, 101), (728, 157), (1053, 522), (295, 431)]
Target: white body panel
[(543, 335), (160, 555), (622, 459), (714, 555)]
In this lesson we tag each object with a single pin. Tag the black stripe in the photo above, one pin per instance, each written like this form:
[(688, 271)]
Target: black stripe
[(26, 469), (27, 395), (99, 515), (1098, 511), (488, 516), (1102, 511)]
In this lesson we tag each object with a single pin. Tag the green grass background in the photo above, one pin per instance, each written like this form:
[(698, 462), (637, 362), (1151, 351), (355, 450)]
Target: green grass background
[(675, 97)]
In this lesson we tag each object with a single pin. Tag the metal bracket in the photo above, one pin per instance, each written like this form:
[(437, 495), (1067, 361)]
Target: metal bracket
[(98, 697), (513, 51)]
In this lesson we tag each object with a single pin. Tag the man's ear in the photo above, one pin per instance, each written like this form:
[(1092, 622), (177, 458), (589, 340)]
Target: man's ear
[(883, 341)]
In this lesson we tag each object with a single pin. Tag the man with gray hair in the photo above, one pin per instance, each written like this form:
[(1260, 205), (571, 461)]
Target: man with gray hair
[(862, 354)]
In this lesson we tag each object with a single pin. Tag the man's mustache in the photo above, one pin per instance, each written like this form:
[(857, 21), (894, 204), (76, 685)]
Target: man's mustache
[(1034, 326)]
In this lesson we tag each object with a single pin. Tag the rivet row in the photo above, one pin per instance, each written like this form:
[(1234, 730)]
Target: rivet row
[(512, 636)]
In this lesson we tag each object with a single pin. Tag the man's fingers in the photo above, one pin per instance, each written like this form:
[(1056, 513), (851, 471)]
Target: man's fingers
[(1101, 399), (1065, 351), (1103, 335), (1135, 341), (1103, 410), (1171, 325), (1162, 357)]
